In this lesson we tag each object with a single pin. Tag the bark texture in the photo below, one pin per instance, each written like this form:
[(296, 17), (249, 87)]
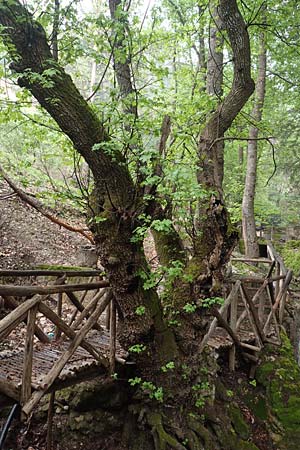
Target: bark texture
[(248, 216)]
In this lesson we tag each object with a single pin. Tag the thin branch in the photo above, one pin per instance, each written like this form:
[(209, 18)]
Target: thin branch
[(41, 209)]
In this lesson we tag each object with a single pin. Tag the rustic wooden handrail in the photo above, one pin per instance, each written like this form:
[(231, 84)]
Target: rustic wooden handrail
[(69, 273), (24, 291)]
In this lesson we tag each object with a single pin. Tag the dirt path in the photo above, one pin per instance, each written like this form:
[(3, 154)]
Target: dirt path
[(28, 239)]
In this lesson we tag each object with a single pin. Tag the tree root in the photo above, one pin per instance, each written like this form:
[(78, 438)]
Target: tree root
[(202, 432), (193, 441), (160, 436)]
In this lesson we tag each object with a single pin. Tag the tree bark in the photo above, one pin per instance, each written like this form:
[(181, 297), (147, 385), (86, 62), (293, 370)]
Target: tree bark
[(216, 236), (248, 216), (115, 200)]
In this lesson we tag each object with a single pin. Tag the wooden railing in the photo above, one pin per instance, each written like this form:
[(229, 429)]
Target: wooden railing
[(74, 330), (260, 315)]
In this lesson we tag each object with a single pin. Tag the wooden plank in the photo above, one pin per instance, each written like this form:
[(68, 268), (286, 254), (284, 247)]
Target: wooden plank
[(222, 310), (24, 291), (28, 355), (17, 315), (59, 365)]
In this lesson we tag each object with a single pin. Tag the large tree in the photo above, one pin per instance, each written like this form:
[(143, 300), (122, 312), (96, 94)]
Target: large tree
[(119, 200)]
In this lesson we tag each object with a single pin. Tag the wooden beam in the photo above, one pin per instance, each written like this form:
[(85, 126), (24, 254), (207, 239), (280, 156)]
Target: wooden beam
[(87, 310), (222, 322), (11, 303), (23, 291), (17, 315), (253, 260), (251, 319), (282, 291), (233, 320), (51, 315), (28, 356), (254, 314), (222, 310)]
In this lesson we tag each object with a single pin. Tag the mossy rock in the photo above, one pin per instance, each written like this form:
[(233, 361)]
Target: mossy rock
[(280, 375), (95, 422), (240, 426)]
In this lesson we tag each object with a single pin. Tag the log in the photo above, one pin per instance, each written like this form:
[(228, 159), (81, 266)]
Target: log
[(254, 314), (24, 291), (16, 316), (283, 290), (251, 319), (50, 421), (11, 303), (80, 307), (113, 333), (253, 260), (51, 273), (222, 310), (59, 365), (233, 320), (88, 308), (28, 356), (222, 322), (44, 309), (59, 312)]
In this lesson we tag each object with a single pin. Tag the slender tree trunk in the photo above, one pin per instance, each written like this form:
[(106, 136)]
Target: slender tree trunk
[(214, 83), (248, 216), (216, 238)]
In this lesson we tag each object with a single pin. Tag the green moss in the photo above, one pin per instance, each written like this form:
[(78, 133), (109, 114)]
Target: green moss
[(238, 422), (243, 445), (280, 375), (291, 255)]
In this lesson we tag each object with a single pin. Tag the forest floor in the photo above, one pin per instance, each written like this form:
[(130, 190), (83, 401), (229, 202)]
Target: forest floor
[(28, 239)]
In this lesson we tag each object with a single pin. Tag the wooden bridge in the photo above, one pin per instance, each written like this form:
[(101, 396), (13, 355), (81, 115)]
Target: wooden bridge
[(77, 346), (66, 338)]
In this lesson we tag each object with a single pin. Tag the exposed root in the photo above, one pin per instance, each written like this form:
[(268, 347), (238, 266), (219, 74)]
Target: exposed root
[(161, 438), (202, 432)]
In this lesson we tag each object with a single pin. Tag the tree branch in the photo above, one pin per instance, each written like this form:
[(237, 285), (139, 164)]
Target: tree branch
[(41, 209)]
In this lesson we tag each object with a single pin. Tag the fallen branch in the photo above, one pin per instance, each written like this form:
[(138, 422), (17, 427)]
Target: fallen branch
[(41, 209)]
